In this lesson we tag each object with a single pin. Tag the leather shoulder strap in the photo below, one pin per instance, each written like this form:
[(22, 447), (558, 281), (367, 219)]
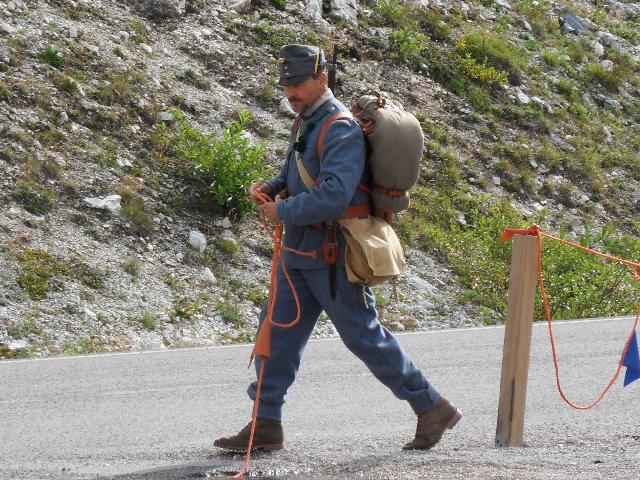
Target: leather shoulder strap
[(325, 126)]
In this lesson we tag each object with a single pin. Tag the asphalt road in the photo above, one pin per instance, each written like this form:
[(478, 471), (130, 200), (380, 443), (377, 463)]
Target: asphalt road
[(154, 415)]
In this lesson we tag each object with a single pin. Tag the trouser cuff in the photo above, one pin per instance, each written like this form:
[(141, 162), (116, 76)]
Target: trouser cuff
[(270, 411), (425, 402)]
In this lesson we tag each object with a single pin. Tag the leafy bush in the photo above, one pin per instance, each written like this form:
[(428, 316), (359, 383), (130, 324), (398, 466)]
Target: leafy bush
[(222, 168), (38, 269), (578, 284), (52, 57), (279, 4), (483, 73), (408, 43), (35, 198), (491, 49)]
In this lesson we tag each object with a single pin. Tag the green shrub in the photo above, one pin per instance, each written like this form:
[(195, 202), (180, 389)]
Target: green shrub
[(551, 58), (134, 211), (38, 271), (579, 285), (65, 84), (4, 90), (52, 57), (481, 72), (148, 321), (491, 49), (230, 313), (407, 43), (35, 198), (131, 265), (435, 26), (89, 276), (222, 168), (227, 246), (279, 4)]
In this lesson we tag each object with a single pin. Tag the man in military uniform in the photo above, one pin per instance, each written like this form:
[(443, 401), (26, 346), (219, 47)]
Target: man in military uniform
[(351, 307)]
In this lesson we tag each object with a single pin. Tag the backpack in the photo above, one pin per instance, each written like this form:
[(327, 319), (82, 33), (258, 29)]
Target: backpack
[(395, 144), (395, 140)]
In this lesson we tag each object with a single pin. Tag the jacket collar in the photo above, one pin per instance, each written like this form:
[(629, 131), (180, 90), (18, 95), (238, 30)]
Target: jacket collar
[(309, 112)]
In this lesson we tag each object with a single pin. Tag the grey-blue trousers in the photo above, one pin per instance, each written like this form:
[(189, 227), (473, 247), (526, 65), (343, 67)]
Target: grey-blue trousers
[(359, 329)]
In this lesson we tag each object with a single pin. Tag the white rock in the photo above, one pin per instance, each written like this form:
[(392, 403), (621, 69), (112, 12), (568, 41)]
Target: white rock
[(526, 25), (346, 10), (521, 97), (14, 212), (607, 64), (7, 29), (166, 117), (197, 240), (90, 314), (496, 181), (598, 49), (240, 6), (607, 134), (124, 35), (226, 223), (314, 9), (62, 118), (73, 32), (110, 203), (146, 48), (207, 276), (17, 345), (285, 107), (504, 4)]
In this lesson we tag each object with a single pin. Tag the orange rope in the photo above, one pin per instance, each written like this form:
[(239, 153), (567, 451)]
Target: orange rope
[(262, 346), (537, 231)]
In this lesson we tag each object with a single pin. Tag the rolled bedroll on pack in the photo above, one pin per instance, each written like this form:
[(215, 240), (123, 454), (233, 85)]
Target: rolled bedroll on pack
[(396, 143)]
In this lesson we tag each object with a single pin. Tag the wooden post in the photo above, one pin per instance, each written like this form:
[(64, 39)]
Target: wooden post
[(517, 341)]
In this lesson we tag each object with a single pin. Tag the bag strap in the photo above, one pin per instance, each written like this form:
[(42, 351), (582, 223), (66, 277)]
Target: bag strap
[(325, 126)]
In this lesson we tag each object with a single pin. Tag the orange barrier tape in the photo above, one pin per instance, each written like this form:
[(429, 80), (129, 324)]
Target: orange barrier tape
[(537, 231)]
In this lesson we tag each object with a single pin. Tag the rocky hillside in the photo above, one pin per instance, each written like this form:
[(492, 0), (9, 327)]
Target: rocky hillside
[(115, 236)]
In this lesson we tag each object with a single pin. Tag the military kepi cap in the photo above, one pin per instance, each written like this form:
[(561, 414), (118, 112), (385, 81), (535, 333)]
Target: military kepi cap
[(299, 62)]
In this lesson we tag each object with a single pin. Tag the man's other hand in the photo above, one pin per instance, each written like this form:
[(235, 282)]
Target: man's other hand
[(257, 188), (270, 211)]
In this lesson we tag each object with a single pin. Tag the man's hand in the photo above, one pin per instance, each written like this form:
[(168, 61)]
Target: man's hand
[(257, 188), (270, 210)]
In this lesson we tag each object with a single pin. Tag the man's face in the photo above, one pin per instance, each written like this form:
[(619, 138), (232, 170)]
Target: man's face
[(303, 95)]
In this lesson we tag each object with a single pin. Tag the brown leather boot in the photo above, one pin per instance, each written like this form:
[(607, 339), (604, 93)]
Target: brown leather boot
[(268, 436), (432, 424)]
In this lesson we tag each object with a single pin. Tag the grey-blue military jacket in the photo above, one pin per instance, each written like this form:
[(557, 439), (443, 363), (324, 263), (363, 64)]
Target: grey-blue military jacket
[(339, 172)]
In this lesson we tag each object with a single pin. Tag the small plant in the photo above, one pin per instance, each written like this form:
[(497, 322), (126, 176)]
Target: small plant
[(185, 309), (266, 94), (38, 269), (89, 276), (279, 4), (4, 90), (230, 313), (491, 49), (257, 296), (52, 57), (148, 321), (223, 169), (483, 73), (23, 329), (65, 84), (35, 198), (408, 44), (133, 210), (131, 265), (227, 246)]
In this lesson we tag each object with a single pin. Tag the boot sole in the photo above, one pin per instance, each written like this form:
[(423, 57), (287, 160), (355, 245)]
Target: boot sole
[(454, 420), (266, 447)]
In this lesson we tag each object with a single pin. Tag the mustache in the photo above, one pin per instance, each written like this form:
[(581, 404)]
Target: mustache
[(293, 99)]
